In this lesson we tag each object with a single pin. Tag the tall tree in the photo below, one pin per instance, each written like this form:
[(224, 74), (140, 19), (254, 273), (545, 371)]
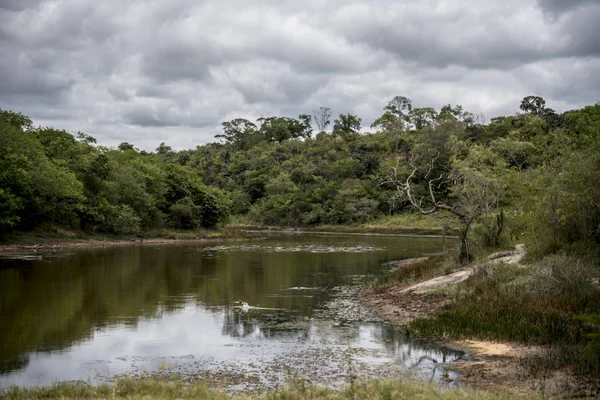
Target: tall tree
[(322, 117), (347, 126)]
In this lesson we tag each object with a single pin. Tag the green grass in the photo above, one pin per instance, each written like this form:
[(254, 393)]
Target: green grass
[(414, 271), (511, 303), (409, 223), (434, 222), (534, 306), (299, 390)]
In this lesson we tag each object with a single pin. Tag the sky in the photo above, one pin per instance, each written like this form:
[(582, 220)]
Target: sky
[(152, 71)]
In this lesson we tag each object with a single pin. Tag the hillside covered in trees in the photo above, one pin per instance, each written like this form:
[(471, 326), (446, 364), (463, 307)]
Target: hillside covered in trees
[(532, 176)]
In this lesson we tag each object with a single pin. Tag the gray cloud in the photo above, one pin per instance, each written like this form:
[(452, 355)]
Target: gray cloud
[(18, 5), (147, 72), (557, 7)]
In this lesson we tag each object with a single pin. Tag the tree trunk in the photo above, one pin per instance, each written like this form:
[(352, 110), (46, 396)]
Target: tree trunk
[(464, 254)]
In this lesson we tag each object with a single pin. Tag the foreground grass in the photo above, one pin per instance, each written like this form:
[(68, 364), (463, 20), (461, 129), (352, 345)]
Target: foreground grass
[(152, 389)]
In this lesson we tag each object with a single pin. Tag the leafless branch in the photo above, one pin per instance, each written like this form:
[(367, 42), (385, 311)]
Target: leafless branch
[(405, 186)]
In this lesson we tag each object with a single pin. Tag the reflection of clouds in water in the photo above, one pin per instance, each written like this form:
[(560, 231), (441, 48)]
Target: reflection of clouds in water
[(310, 248), (197, 339), (144, 306)]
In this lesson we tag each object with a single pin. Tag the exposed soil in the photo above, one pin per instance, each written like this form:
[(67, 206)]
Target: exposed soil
[(488, 365), (497, 367), (400, 307), (440, 282)]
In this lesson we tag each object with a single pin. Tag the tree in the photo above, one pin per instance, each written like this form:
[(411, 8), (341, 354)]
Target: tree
[(470, 190), (322, 117), (395, 119), (304, 129), (347, 126), (15, 119), (279, 129), (533, 105), (421, 117), (400, 106), (165, 152), (124, 146), (239, 132)]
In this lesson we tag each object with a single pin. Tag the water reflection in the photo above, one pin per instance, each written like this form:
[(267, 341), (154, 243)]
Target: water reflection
[(98, 312)]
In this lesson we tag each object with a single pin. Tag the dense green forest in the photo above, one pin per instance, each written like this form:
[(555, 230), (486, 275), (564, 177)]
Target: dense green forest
[(533, 176)]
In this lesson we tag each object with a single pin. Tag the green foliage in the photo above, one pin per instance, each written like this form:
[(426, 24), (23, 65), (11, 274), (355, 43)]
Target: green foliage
[(347, 126), (119, 219), (531, 177), (50, 176)]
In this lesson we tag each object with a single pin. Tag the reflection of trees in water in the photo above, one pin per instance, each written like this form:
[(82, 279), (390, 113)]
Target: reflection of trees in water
[(268, 324), (406, 348), (12, 364), (53, 303), (237, 323)]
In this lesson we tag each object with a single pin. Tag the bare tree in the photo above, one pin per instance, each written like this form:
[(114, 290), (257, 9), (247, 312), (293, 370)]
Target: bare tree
[(322, 117), (473, 194)]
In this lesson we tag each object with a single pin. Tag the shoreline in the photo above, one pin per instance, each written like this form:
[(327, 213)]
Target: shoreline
[(8, 248), (372, 230), (228, 233), (488, 365)]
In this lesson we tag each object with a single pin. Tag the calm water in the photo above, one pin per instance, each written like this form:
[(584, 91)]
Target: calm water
[(97, 313)]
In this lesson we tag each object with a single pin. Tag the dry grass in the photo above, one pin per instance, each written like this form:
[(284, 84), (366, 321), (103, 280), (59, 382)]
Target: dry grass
[(298, 390)]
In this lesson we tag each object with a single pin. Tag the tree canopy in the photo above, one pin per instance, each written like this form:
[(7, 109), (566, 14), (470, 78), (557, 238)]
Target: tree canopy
[(534, 167)]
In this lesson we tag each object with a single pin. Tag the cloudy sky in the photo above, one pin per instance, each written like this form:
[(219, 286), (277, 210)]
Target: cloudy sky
[(148, 71)]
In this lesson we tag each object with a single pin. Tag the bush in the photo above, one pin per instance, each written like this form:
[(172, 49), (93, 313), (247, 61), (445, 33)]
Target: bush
[(120, 219), (560, 275), (184, 214)]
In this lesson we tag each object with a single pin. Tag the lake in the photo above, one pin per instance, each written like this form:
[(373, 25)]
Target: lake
[(251, 313)]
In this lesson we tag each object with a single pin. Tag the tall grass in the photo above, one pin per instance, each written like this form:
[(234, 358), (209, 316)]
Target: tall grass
[(509, 303), (537, 306)]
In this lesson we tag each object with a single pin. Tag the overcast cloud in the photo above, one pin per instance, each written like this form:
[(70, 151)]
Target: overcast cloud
[(148, 71)]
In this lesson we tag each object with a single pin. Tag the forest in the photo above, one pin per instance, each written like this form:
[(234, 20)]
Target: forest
[(532, 177)]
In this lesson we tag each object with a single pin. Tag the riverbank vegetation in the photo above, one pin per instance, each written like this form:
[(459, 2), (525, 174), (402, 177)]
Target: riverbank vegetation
[(533, 176), (548, 303), (298, 390)]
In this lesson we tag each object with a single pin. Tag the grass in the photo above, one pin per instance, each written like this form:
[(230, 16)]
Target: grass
[(503, 302), (538, 304), (409, 223), (534, 306), (417, 270), (438, 223), (298, 390)]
